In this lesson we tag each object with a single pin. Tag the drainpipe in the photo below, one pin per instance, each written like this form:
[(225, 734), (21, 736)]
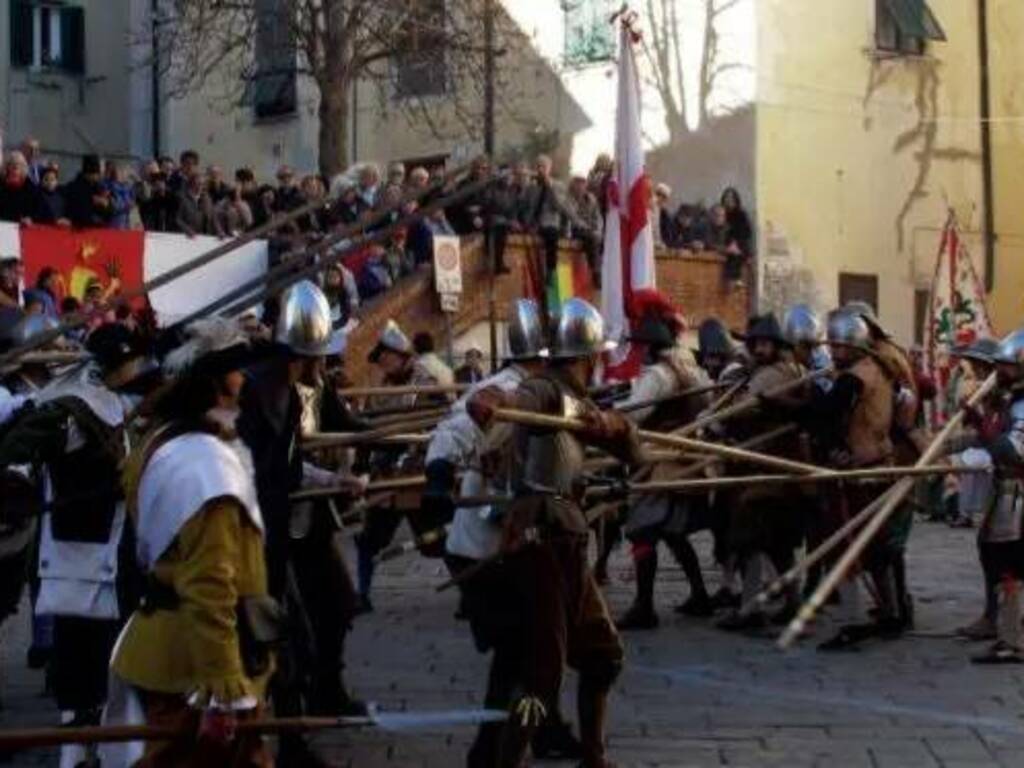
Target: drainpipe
[(987, 185), (154, 9)]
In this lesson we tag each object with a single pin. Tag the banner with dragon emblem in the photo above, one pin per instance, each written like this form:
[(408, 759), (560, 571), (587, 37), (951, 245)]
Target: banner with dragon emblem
[(957, 313)]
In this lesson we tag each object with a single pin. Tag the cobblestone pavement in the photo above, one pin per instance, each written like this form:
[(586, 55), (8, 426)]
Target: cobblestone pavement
[(691, 695)]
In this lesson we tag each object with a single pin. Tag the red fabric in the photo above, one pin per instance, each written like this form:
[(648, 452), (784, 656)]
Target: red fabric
[(113, 257)]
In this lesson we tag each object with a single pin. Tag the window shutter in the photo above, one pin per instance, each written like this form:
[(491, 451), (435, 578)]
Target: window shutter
[(72, 39), (21, 33)]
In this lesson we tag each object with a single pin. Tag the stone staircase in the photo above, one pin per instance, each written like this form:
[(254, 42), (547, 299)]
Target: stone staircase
[(692, 280)]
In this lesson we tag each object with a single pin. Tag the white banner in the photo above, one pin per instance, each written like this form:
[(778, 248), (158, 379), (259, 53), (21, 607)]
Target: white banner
[(199, 288)]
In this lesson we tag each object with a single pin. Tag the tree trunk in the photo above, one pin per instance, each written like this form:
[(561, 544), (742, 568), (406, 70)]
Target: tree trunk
[(334, 116)]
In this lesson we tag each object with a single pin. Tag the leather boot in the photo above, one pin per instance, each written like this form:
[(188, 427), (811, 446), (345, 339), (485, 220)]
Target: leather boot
[(592, 703), (641, 614)]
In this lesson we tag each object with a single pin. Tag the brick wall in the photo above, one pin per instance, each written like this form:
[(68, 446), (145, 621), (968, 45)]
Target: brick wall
[(693, 281)]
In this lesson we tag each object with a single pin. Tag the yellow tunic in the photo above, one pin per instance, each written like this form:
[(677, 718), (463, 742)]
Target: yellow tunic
[(216, 558)]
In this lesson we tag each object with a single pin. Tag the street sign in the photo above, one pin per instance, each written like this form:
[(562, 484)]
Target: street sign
[(449, 302), (447, 264)]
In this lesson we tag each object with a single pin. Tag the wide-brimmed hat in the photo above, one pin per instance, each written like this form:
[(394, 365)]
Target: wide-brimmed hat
[(123, 356), (653, 332), (765, 327)]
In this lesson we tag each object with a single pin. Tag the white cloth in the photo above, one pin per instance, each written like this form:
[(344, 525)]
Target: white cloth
[(975, 488), (80, 578), (461, 442), (181, 477)]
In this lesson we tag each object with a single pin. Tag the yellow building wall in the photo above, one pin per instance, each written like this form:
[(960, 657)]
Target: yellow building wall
[(1006, 72), (859, 156)]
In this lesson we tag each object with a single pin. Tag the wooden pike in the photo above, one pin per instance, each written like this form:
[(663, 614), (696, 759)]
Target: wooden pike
[(426, 415), (407, 389), (341, 439), (853, 475), (394, 484), (668, 440), (691, 392), (36, 738), (751, 403), (893, 498)]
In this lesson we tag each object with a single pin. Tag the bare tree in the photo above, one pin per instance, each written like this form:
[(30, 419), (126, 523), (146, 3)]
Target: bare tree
[(411, 49)]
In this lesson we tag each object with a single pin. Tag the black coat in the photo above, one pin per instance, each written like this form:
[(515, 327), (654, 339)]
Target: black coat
[(20, 203), (79, 204)]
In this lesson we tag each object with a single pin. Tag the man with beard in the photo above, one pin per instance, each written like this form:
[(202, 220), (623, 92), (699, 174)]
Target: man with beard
[(299, 559), (489, 466), (545, 537)]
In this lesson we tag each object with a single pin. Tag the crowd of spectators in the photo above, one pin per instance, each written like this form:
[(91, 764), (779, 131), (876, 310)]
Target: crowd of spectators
[(164, 195)]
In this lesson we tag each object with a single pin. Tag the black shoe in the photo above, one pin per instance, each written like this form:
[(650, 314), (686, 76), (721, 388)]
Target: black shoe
[(556, 742), (638, 618), (784, 615), (363, 605), (696, 605), (850, 637), (724, 598), (1000, 653), (740, 622)]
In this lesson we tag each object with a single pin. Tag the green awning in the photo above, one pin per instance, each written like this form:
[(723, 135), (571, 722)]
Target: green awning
[(915, 19)]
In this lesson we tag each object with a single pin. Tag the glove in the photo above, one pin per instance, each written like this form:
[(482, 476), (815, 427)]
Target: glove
[(218, 726), (482, 405)]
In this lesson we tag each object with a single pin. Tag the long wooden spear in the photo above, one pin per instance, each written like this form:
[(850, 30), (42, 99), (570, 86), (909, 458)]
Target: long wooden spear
[(892, 501), (405, 389), (394, 484), (691, 392), (748, 404), (320, 440), (853, 475), (668, 440), (34, 738)]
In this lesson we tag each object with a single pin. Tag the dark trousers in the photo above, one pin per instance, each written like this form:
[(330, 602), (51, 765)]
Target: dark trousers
[(81, 658), (496, 237)]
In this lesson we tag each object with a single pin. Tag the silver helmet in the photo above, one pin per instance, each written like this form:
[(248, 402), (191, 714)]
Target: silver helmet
[(304, 324), (801, 325), (526, 331), (848, 329), (31, 327), (580, 332), (867, 312), (1011, 349), (391, 339)]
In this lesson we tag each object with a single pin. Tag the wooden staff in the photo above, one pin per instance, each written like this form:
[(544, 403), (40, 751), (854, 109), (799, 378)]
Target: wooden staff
[(407, 389), (34, 738), (394, 484), (853, 475), (892, 501), (669, 440), (751, 403), (691, 392), (425, 414), (319, 440), (49, 357)]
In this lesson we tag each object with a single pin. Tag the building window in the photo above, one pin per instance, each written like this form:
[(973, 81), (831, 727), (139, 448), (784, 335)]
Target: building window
[(48, 37), (421, 69), (274, 91), (905, 26), (854, 287), (589, 33)]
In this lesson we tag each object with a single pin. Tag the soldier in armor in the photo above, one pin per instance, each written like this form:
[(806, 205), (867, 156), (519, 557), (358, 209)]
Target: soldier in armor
[(764, 521), (717, 354), (401, 365), (300, 556), (670, 369), (857, 424), (1002, 527), (191, 657), (488, 466), (545, 536), (75, 441)]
